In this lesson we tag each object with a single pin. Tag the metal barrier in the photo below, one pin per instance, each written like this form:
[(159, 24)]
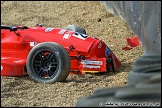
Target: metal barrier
[(144, 80)]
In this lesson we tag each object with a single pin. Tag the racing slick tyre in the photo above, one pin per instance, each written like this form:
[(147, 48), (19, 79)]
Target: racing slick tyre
[(76, 29), (48, 62)]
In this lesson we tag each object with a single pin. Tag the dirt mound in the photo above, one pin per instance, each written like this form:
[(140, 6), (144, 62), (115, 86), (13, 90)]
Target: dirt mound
[(91, 15)]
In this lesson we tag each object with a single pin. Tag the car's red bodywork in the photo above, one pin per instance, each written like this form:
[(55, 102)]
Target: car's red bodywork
[(88, 54)]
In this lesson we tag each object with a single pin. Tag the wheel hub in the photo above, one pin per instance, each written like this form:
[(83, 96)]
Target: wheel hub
[(45, 63)]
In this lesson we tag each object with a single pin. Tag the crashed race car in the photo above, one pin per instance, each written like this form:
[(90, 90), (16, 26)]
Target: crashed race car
[(49, 55)]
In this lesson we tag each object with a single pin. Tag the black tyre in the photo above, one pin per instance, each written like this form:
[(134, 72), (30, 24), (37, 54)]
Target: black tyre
[(48, 62), (76, 29)]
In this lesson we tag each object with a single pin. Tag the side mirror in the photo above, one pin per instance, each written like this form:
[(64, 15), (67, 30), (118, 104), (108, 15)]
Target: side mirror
[(13, 29)]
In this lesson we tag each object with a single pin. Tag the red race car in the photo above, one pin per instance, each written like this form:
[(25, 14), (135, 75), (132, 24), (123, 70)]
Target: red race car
[(49, 55)]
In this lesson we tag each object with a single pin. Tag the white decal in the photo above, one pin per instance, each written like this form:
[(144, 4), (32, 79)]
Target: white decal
[(62, 31), (49, 29), (91, 62), (80, 35), (31, 44), (1, 67), (18, 61), (100, 45), (66, 36), (90, 66)]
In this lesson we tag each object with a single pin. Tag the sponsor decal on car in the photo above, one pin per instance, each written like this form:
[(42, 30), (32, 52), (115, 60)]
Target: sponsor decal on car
[(91, 62), (48, 29), (62, 31), (66, 36), (90, 66)]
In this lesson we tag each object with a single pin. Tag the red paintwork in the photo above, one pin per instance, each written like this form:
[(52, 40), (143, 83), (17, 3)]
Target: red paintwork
[(132, 42), (15, 49)]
